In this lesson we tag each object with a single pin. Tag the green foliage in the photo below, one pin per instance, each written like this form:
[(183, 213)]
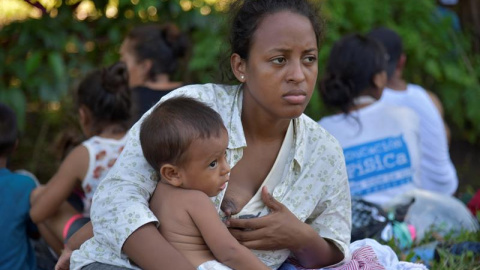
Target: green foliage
[(44, 58), (445, 260), (465, 261)]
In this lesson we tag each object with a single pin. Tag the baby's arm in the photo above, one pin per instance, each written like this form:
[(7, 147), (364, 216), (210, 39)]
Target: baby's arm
[(223, 245)]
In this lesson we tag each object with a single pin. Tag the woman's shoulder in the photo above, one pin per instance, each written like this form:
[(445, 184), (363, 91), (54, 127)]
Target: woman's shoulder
[(205, 92), (310, 125), (314, 134), (399, 112), (401, 116)]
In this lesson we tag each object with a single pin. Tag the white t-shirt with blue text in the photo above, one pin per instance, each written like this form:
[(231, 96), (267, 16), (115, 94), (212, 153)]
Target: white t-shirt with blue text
[(381, 148), (438, 172)]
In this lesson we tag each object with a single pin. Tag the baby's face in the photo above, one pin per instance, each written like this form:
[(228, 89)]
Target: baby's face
[(207, 168)]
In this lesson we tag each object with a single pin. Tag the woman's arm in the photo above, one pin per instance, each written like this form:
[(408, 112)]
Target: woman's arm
[(149, 250), (47, 200), (80, 236), (223, 245), (164, 256), (74, 243)]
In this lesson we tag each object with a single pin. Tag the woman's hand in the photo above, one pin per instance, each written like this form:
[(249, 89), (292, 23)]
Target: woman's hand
[(63, 262), (278, 230), (282, 230)]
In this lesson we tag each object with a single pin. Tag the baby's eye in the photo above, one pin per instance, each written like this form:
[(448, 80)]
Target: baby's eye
[(279, 60), (213, 164)]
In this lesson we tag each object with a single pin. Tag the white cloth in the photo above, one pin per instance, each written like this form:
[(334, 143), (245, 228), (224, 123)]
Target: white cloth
[(438, 173), (430, 211), (255, 206), (103, 153), (381, 148), (213, 265), (313, 186), (386, 256)]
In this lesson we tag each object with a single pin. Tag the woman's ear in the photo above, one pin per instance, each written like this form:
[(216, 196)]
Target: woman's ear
[(171, 174), (379, 81), (401, 62), (238, 66), (85, 119)]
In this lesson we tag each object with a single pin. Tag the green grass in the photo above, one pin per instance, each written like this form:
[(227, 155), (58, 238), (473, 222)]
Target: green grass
[(447, 261)]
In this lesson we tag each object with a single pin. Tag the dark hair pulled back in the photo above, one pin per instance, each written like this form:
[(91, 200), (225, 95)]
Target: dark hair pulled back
[(354, 60), (246, 16), (106, 94), (164, 45)]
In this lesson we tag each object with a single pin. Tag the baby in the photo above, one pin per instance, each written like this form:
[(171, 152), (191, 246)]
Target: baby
[(185, 141)]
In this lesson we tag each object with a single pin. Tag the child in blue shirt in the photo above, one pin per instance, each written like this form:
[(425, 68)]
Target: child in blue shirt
[(16, 251)]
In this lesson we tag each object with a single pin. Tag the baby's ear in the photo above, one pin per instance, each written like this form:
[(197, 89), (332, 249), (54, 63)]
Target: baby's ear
[(171, 174)]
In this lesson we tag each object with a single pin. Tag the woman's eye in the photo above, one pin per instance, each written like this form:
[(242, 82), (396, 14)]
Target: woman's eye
[(310, 59), (279, 60), (213, 164)]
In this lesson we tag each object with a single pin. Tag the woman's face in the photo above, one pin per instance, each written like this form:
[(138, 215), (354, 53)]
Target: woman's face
[(281, 71), (136, 70)]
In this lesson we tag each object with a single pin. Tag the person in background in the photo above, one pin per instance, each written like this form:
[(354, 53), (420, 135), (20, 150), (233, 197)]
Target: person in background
[(16, 251), (152, 54), (438, 173), (380, 142), (192, 168), (104, 106), (273, 147)]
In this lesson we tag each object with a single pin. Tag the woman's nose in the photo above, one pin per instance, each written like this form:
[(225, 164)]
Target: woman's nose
[(296, 73)]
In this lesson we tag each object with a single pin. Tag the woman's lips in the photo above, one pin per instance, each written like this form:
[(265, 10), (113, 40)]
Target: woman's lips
[(295, 97)]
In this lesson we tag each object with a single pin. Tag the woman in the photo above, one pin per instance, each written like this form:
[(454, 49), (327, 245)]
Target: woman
[(104, 101), (152, 54), (271, 143), (380, 141)]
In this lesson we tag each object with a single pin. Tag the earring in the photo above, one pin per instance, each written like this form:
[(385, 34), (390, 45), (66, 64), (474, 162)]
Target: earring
[(242, 77)]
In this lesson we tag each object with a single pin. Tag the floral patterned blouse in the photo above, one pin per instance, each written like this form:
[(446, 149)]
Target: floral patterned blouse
[(314, 186)]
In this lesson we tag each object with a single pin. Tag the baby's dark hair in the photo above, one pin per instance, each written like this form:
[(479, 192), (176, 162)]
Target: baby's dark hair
[(106, 94), (246, 16), (168, 131), (164, 45), (353, 62), (8, 130)]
